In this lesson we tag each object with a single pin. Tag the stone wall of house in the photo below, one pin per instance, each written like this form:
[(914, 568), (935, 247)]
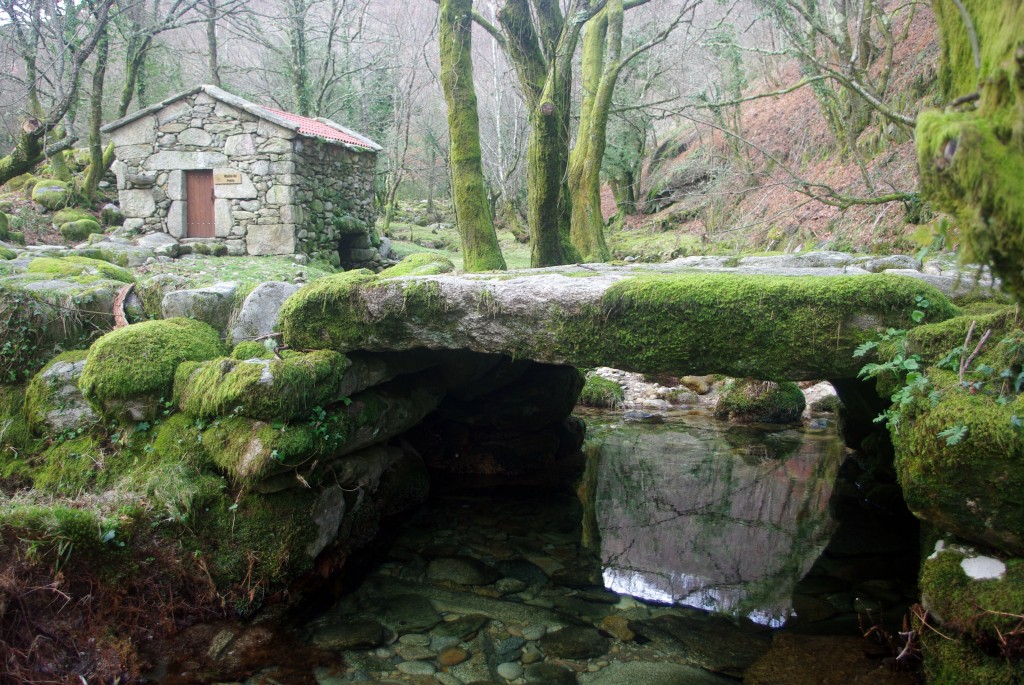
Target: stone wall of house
[(274, 208), (335, 194)]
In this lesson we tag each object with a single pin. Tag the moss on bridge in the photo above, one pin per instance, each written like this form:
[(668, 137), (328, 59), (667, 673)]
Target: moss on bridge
[(768, 327)]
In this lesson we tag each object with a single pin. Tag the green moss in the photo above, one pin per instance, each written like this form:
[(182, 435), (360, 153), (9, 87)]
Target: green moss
[(958, 662), (601, 392), (51, 194), (261, 389), (420, 264), (60, 534), (16, 441), (6, 253), (975, 487), (980, 608), (932, 341), (4, 226), (249, 450), (70, 214), (79, 269), (71, 467), (250, 349), (971, 159), (77, 231), (39, 394), (752, 401), (764, 326), (139, 361)]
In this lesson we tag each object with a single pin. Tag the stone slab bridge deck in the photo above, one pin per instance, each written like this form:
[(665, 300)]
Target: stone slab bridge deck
[(771, 320)]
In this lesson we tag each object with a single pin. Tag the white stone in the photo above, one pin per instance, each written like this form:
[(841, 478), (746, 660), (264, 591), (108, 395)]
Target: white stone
[(176, 159), (509, 670), (137, 203), (270, 239), (983, 568), (222, 221), (177, 221), (291, 214), (176, 184), (241, 145), (280, 195), (224, 110), (155, 240), (234, 191), (212, 304), (142, 131), (120, 170), (195, 136), (260, 310), (204, 99)]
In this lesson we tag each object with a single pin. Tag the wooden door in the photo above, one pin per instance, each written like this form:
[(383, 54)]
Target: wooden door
[(199, 203)]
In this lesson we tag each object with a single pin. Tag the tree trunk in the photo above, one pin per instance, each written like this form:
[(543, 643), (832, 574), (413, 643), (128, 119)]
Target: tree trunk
[(299, 67), (476, 229), (213, 62), (96, 157)]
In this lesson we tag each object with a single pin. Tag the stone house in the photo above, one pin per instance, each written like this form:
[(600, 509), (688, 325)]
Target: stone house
[(208, 166)]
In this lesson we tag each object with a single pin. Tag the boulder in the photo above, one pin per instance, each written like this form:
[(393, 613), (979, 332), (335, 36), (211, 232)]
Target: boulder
[(212, 305), (267, 389), (77, 231), (754, 401), (259, 313), (129, 372), (53, 403), (51, 194)]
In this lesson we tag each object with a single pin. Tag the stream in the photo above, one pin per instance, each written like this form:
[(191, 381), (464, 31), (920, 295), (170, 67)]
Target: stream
[(692, 552)]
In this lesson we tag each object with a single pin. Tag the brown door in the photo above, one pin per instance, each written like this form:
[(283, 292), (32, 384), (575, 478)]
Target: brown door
[(199, 201)]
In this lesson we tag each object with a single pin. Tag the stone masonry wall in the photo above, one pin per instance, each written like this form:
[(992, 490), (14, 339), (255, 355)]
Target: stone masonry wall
[(287, 181), (335, 192)]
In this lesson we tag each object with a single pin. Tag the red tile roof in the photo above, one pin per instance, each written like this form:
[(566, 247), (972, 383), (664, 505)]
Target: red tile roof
[(313, 127)]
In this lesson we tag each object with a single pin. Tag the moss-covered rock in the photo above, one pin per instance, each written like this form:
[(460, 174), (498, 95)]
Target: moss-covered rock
[(250, 349), (51, 194), (6, 253), (53, 403), (79, 269), (754, 401), (265, 389), (77, 231), (129, 370), (17, 444), (972, 486), (797, 328), (420, 264), (5, 226), (111, 215), (933, 341), (601, 392), (71, 214), (959, 662)]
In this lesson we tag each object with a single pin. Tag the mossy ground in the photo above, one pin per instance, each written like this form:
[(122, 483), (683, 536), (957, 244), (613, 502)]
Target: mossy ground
[(140, 360), (420, 264), (248, 271), (601, 392)]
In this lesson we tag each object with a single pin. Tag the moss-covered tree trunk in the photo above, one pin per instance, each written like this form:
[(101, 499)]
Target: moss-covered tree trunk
[(476, 228), (971, 155), (98, 160), (602, 47)]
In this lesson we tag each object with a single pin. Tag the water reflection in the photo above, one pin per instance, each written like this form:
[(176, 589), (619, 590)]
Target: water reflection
[(709, 515)]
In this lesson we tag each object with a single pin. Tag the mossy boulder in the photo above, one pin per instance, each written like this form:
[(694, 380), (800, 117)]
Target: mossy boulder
[(111, 215), (77, 231), (268, 389), (972, 486), (79, 269), (70, 214), (129, 370), (754, 401), (5, 225), (6, 253), (420, 264), (51, 194), (973, 601), (53, 403), (601, 392), (250, 349)]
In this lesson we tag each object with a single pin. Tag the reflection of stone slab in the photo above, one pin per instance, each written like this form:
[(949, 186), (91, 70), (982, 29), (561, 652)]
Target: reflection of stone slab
[(685, 516)]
